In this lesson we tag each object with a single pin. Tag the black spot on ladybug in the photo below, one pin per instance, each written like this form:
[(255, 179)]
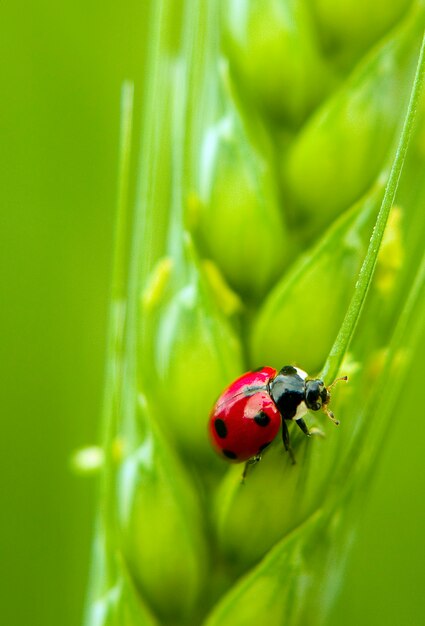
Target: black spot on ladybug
[(262, 419), (258, 369), (220, 428), (288, 370), (230, 454), (263, 447)]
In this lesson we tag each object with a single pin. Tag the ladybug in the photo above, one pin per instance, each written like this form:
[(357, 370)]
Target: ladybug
[(249, 413)]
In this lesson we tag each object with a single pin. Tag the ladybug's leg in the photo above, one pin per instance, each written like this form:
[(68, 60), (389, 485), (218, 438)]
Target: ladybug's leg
[(245, 472), (253, 461), (312, 431), (286, 442), (301, 423)]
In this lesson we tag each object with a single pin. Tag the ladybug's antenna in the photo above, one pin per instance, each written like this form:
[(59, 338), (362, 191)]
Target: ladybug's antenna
[(325, 406), (330, 415), (344, 378)]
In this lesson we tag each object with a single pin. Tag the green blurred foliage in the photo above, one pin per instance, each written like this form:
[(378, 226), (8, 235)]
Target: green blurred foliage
[(353, 132), (348, 28), (121, 605), (274, 47), (384, 577), (188, 341), (161, 522), (321, 280), (241, 222), (62, 68)]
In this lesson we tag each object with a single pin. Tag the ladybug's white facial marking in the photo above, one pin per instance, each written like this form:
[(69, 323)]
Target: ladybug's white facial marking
[(301, 411), (301, 373), (287, 391)]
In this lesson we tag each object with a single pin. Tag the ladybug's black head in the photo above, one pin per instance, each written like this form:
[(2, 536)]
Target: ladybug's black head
[(316, 394)]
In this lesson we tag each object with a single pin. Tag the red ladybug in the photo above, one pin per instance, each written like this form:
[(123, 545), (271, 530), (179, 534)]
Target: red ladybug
[(248, 414)]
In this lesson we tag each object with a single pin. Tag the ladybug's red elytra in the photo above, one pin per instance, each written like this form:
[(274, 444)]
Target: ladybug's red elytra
[(249, 413)]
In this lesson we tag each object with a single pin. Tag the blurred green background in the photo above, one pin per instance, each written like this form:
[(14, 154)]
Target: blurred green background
[(62, 68)]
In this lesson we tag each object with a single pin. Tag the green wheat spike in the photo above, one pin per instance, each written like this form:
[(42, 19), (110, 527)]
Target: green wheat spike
[(266, 133)]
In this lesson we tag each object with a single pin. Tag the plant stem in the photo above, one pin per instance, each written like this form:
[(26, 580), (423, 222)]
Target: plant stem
[(103, 568)]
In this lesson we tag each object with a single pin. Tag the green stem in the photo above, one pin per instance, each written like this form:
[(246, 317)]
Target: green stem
[(103, 568), (116, 324), (191, 78), (147, 226), (119, 272), (405, 338), (352, 316)]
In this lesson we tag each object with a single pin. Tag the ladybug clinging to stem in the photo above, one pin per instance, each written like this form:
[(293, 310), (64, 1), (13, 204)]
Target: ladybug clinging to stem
[(249, 413)]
